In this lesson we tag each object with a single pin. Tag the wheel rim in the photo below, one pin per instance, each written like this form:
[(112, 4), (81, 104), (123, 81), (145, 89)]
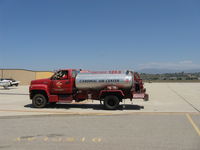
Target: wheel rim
[(39, 101), (111, 102)]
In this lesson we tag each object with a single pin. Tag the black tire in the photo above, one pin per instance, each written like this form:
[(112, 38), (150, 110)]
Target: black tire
[(111, 102), (39, 101)]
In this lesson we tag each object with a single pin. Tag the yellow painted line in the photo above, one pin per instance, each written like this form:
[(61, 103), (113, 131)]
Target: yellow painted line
[(37, 111), (104, 114), (46, 139), (193, 124), (18, 139), (162, 113), (31, 139), (83, 139), (70, 139), (60, 139), (96, 140), (96, 113), (56, 139)]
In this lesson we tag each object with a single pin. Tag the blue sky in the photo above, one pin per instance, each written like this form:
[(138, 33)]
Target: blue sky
[(100, 34)]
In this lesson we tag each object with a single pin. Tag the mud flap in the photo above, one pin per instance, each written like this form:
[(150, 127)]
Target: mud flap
[(146, 97)]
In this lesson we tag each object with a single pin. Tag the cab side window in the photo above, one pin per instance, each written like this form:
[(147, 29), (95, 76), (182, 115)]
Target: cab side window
[(61, 75), (64, 75)]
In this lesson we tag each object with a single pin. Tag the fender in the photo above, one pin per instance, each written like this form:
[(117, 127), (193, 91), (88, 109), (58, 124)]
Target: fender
[(40, 87), (111, 92)]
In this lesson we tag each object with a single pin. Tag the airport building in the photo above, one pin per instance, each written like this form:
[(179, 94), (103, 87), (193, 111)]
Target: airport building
[(24, 76)]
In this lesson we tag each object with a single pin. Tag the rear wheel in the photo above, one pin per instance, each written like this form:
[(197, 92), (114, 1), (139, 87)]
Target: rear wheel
[(39, 101), (111, 102)]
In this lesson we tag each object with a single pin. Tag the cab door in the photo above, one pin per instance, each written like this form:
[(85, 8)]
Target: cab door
[(61, 83)]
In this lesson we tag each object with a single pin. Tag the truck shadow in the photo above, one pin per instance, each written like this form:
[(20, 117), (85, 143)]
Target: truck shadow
[(9, 88), (88, 106)]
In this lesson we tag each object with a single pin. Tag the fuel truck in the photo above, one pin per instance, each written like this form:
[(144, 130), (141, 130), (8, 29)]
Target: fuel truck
[(109, 87)]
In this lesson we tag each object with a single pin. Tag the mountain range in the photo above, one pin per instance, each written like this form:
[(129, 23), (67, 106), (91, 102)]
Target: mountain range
[(161, 71)]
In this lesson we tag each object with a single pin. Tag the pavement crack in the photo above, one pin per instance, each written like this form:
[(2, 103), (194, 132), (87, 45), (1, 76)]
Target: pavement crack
[(183, 98)]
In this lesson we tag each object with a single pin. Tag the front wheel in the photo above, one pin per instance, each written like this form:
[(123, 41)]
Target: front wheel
[(39, 101), (111, 102)]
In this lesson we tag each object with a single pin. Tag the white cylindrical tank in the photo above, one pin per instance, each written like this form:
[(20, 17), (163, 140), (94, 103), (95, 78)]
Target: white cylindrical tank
[(99, 81)]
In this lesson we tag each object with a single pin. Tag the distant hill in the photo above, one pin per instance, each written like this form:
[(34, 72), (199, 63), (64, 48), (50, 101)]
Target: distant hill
[(161, 71)]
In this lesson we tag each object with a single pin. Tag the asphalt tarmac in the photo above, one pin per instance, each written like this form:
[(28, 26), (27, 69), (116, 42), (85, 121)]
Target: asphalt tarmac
[(163, 97), (170, 120), (134, 131)]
